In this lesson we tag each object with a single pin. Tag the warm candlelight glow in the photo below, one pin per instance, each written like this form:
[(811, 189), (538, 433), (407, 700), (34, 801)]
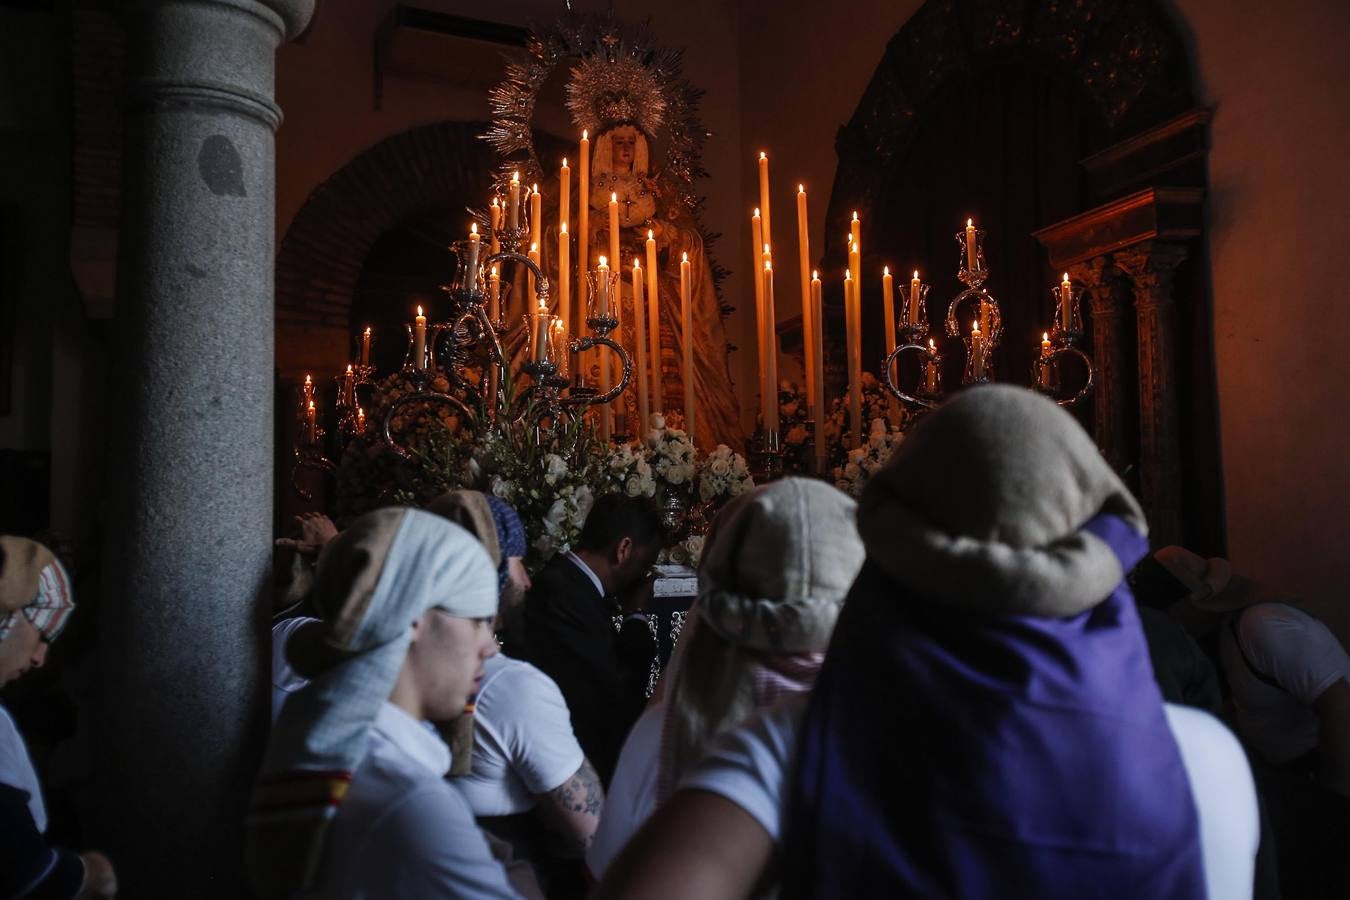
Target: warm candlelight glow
[(349, 368), (515, 176), (801, 189), (604, 262), (931, 344), (855, 215), (761, 154), (651, 235), (419, 312), (1045, 336), (534, 248), (563, 228), (473, 229), (311, 407), (916, 273), (815, 274), (885, 270), (756, 213), (684, 257), (975, 327), (970, 223), (614, 197)]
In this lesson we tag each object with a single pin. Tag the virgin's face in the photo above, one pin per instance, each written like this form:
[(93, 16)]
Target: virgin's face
[(624, 144)]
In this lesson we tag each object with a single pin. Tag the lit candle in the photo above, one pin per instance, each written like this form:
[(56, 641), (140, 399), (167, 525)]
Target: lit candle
[(931, 370), (471, 271), (817, 399), (764, 197), (495, 211), (1065, 303), (769, 403), (583, 228), (640, 336), (360, 420), (494, 295), (309, 388), (971, 250), (976, 350), (614, 229), (365, 347), (808, 317), (564, 279), (915, 311), (888, 306), (564, 193), (349, 387), (536, 217), (1045, 344), (311, 424), (534, 258), (601, 310), (420, 340), (687, 339), (1045, 379), (539, 334), (654, 332), (513, 203), (756, 248), (854, 340)]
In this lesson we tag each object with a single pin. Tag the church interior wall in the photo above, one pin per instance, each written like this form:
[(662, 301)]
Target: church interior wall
[(783, 78)]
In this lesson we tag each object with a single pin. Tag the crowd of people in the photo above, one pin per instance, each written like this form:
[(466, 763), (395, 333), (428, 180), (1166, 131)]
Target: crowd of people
[(975, 682)]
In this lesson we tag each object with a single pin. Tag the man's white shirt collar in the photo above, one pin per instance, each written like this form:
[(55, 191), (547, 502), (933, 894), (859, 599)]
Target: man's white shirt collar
[(595, 579), (416, 740)]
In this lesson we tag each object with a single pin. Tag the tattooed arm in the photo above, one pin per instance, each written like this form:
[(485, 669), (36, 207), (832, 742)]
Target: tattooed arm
[(573, 808)]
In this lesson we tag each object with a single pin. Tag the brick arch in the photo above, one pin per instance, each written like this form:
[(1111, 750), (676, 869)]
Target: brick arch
[(326, 245)]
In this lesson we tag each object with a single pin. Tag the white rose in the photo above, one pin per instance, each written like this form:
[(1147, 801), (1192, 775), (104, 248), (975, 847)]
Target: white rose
[(706, 490), (851, 471), (501, 488), (719, 466), (584, 499), (675, 475), (633, 486)]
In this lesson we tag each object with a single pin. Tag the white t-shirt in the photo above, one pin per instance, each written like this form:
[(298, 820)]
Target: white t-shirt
[(523, 743), (284, 680), (631, 795), (1298, 653), (749, 767), (403, 832), (16, 768)]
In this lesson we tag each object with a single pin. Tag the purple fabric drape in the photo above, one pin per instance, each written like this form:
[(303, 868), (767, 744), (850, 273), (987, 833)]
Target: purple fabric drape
[(951, 755)]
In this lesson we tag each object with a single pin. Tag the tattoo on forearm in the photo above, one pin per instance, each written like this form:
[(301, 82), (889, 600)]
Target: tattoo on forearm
[(582, 794)]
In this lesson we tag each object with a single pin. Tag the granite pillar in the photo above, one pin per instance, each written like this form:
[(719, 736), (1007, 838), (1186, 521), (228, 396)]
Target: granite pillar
[(1150, 267), (183, 628)]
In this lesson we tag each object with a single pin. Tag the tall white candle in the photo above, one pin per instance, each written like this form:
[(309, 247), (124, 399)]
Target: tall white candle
[(687, 339), (365, 347), (564, 193), (854, 339), (564, 280), (583, 229), (654, 330), (513, 203), (808, 317), (818, 395), (971, 246), (771, 342), (536, 215), (914, 312), (640, 337), (764, 197), (756, 249)]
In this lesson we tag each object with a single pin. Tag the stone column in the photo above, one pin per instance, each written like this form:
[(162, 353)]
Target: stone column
[(1150, 268), (1110, 391), (183, 628)]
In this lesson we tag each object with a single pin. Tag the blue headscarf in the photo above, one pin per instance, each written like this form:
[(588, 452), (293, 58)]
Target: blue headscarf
[(998, 743), (510, 532)]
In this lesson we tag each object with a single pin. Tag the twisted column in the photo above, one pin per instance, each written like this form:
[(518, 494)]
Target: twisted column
[(184, 617), (1150, 268)]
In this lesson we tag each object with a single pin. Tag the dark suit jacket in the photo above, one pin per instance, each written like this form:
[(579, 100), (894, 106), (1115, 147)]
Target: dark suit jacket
[(569, 635)]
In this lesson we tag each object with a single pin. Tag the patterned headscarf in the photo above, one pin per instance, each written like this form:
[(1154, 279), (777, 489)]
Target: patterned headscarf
[(35, 584), (373, 581), (510, 530)]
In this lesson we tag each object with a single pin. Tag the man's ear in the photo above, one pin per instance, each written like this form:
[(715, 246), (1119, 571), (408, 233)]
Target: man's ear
[(622, 550)]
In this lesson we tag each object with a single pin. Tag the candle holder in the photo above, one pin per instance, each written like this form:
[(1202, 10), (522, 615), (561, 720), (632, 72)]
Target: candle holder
[(978, 355), (765, 455), (308, 448), (971, 277), (928, 392), (468, 266), (1068, 326), (913, 323), (602, 296)]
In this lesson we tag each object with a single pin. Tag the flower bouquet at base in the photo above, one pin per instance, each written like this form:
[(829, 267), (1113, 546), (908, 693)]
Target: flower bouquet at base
[(861, 463)]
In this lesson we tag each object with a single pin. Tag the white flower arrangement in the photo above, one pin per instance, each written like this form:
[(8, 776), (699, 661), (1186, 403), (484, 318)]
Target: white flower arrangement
[(671, 453), (865, 461), (687, 552), (723, 474), (628, 470)]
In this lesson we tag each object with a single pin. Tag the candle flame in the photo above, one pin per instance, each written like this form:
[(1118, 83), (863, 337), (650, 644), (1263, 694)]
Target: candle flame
[(636, 264), (604, 261), (311, 406), (562, 229), (684, 257), (534, 188), (651, 235), (614, 197), (367, 329), (853, 248), (564, 162), (916, 274), (970, 223), (419, 310), (473, 228), (885, 271), (766, 248), (543, 307), (1045, 337), (349, 368), (1066, 277), (494, 271), (494, 201), (975, 327), (756, 214), (848, 276), (585, 134), (360, 413), (307, 379), (768, 265), (762, 155), (931, 344), (815, 274), (515, 176), (801, 189), (855, 215)]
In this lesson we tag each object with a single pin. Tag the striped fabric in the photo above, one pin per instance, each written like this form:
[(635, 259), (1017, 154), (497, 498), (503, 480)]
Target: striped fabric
[(50, 610)]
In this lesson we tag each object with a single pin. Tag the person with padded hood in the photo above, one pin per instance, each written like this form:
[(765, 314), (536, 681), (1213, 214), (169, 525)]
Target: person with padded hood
[(775, 568), (986, 722), (352, 800)]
